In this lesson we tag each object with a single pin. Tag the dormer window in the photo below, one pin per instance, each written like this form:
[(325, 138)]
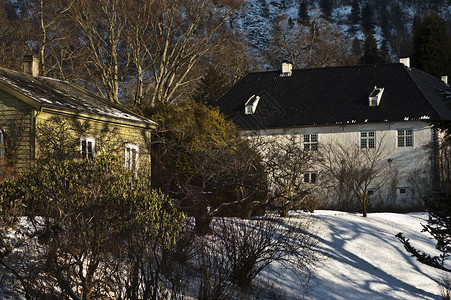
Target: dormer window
[(375, 96), (251, 105)]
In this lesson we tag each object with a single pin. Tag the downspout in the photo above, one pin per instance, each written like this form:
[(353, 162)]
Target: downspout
[(33, 141), (436, 186)]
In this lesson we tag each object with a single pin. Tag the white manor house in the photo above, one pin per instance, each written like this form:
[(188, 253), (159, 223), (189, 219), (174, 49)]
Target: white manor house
[(364, 106)]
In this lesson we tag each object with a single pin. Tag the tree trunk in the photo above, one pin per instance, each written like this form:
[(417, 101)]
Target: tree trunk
[(202, 226)]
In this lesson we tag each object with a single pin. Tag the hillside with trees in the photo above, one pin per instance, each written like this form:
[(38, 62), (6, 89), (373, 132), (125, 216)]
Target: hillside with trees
[(74, 228), (164, 51)]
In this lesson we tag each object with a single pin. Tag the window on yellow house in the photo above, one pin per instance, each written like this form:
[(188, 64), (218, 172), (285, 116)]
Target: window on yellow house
[(131, 157), (2, 144), (87, 147)]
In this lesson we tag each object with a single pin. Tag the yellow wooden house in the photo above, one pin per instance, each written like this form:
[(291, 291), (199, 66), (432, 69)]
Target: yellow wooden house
[(37, 113)]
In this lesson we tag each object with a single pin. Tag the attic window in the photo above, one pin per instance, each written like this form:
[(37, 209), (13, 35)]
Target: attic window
[(375, 96), (251, 105)]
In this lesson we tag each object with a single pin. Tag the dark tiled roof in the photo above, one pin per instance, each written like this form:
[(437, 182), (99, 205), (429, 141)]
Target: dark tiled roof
[(335, 95), (62, 95)]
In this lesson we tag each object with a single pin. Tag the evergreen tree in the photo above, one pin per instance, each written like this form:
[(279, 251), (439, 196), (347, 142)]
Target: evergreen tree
[(211, 86), (385, 50), (326, 7), (303, 17), (354, 17), (432, 46), (384, 24), (439, 207), (367, 18), (371, 53), (356, 48)]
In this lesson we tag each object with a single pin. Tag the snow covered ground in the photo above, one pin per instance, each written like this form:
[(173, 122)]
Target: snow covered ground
[(364, 260)]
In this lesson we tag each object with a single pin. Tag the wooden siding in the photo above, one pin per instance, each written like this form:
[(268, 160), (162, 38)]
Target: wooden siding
[(111, 137), (16, 122)]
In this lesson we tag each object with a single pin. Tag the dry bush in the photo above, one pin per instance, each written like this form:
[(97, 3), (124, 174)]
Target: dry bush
[(252, 246)]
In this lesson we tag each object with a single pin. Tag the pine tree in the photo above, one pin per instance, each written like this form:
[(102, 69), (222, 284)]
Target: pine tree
[(211, 86), (303, 17), (354, 17), (356, 48), (371, 53), (326, 8), (367, 18), (432, 46)]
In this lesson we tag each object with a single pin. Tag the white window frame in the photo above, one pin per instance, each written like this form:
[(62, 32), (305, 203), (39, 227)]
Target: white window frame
[(310, 177), (368, 139), (402, 192), (310, 141), (2, 144), (87, 153), (404, 139), (131, 164)]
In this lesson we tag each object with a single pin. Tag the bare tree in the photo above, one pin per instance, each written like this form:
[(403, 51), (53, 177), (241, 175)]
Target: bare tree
[(180, 33), (252, 246), (316, 44), (288, 166), (102, 24), (14, 36), (363, 170)]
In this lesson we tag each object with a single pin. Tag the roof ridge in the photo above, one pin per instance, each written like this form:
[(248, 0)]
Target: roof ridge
[(327, 67)]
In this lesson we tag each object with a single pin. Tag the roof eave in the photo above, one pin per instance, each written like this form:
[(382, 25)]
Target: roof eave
[(19, 95), (145, 124)]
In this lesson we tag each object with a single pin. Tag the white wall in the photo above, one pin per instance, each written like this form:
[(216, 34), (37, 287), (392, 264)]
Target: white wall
[(411, 162)]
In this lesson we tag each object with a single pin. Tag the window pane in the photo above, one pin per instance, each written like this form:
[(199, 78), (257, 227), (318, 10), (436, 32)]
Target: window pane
[(90, 150), (363, 134), (306, 138), (83, 148), (314, 138), (306, 177), (313, 177), (409, 141), (371, 134), (127, 158), (363, 143), (2, 144), (400, 141)]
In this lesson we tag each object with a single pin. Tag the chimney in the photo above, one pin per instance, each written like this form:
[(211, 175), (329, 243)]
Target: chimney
[(405, 61), (286, 69), (445, 78), (31, 65)]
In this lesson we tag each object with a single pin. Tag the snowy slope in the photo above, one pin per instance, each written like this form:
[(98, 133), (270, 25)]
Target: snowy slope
[(364, 260), (257, 17)]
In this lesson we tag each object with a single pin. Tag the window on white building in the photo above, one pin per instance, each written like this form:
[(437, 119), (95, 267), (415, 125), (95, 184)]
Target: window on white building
[(131, 157), (401, 192), (367, 139), (405, 138), (311, 141), (87, 147), (310, 177)]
